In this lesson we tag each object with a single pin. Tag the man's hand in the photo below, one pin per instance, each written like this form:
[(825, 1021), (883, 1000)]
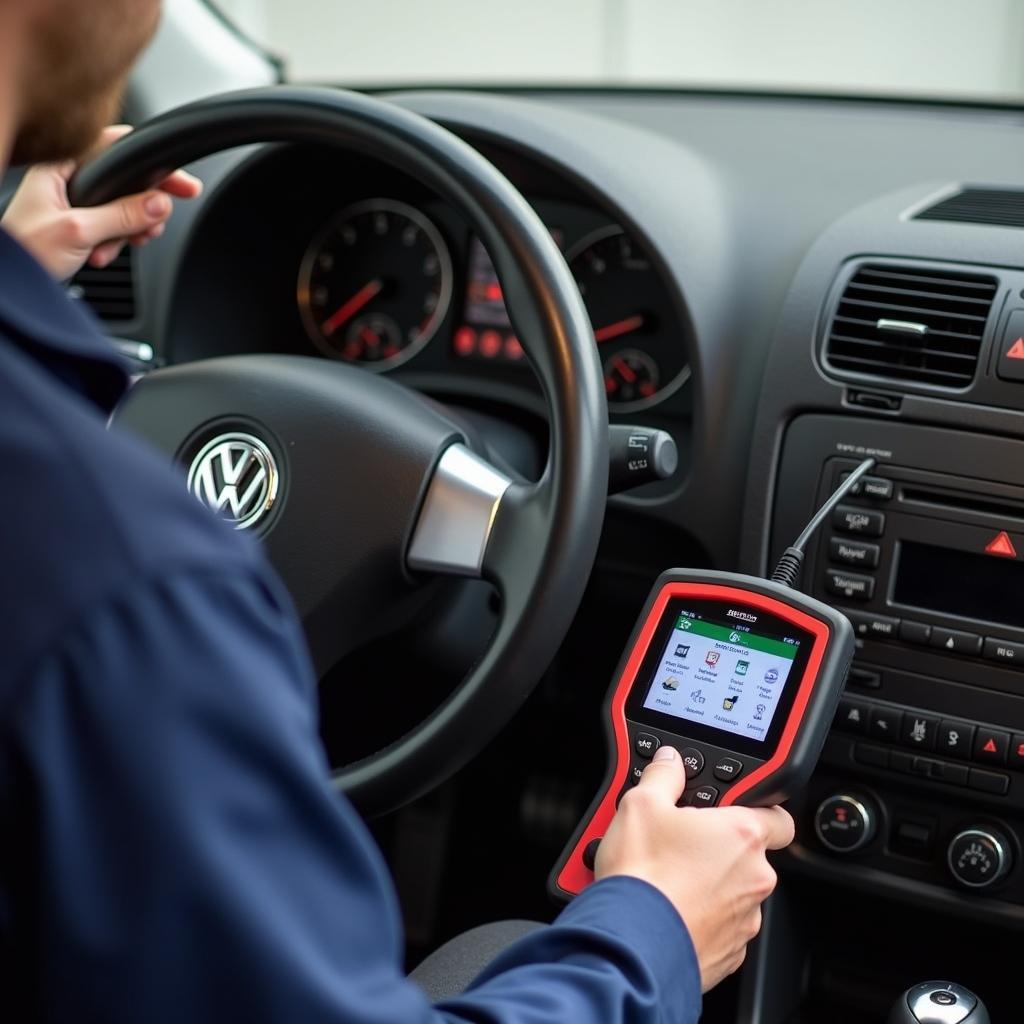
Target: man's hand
[(63, 238), (710, 863)]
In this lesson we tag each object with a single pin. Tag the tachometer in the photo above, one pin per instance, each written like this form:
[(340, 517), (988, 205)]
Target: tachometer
[(376, 284), (635, 323)]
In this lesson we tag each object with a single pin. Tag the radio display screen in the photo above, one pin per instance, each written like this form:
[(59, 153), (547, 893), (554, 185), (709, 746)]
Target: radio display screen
[(721, 677), (960, 583)]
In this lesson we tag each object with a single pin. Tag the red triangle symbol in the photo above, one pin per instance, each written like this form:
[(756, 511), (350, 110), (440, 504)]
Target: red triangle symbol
[(1016, 349), (990, 747), (1001, 545)]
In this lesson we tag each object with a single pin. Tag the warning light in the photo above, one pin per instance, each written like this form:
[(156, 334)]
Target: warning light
[(490, 344), (1016, 349), (465, 341), (513, 349), (1001, 545), (990, 747)]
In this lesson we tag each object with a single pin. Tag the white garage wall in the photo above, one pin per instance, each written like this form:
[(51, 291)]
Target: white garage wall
[(969, 48)]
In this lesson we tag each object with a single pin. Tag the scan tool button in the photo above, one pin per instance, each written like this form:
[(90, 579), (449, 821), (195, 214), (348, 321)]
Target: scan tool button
[(646, 744), (706, 796), (727, 768), (694, 761)]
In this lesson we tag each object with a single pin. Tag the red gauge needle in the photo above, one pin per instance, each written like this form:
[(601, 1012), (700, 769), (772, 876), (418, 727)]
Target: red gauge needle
[(625, 369), (620, 327), (349, 309)]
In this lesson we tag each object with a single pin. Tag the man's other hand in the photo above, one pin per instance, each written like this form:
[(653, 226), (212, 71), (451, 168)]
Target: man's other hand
[(63, 238), (710, 863)]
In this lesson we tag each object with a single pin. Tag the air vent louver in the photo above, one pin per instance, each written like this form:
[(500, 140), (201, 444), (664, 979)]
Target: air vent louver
[(999, 206), (110, 291), (911, 324)]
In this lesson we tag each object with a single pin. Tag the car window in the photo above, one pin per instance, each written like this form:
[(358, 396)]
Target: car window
[(966, 49)]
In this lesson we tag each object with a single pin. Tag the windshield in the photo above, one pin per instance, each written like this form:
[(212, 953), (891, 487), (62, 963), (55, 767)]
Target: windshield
[(958, 49)]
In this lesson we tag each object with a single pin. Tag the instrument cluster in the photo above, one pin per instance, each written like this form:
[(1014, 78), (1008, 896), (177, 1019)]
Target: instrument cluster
[(383, 279)]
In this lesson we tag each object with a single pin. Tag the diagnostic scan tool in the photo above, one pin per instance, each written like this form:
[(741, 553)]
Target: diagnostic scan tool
[(742, 675)]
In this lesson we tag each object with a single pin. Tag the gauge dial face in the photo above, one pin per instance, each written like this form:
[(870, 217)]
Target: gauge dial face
[(376, 284), (635, 323), (630, 376)]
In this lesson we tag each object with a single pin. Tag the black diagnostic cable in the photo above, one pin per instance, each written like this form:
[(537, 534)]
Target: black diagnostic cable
[(788, 569)]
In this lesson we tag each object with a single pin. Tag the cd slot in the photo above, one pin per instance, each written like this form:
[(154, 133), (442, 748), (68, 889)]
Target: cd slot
[(945, 501)]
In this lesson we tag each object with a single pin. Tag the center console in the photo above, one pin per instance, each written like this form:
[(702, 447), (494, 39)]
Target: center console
[(922, 778)]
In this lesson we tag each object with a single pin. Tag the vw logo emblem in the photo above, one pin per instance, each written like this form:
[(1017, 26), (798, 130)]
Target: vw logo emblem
[(235, 475)]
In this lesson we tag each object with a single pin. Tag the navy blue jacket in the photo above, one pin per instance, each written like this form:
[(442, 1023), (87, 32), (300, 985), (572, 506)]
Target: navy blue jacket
[(170, 847)]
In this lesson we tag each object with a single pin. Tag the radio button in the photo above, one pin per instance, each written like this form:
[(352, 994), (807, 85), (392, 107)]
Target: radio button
[(955, 642), (885, 724), (868, 753), (915, 632), (865, 678), (1005, 651), (646, 744), (881, 627), (956, 739), (918, 731), (849, 584), (1017, 752), (954, 774), (858, 520), (852, 716), (875, 487), (694, 761), (989, 782), (991, 745), (854, 552)]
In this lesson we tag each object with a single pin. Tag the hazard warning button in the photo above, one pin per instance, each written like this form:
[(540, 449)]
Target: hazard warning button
[(1011, 348), (991, 745), (1001, 545)]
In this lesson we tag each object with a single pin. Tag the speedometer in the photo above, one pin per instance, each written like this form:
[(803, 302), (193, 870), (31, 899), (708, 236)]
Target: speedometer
[(376, 284), (636, 326)]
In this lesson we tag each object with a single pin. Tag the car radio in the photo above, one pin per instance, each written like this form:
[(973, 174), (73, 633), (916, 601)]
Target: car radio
[(924, 561), (742, 675)]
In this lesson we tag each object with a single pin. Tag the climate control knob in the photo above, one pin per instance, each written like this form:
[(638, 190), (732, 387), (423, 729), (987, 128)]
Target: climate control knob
[(845, 823), (979, 857)]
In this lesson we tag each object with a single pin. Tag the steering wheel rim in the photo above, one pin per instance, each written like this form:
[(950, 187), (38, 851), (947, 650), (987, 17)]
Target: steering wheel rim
[(543, 538)]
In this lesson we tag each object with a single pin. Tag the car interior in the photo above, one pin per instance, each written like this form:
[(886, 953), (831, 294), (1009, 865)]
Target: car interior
[(776, 286)]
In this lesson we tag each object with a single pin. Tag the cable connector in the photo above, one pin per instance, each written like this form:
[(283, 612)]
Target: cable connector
[(787, 572)]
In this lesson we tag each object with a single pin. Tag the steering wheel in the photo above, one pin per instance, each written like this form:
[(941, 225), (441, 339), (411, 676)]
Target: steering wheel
[(362, 490)]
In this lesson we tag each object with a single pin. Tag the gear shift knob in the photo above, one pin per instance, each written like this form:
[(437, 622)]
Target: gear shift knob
[(939, 1002)]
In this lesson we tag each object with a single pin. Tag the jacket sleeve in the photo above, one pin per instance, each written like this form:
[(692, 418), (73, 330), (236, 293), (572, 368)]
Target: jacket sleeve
[(181, 855)]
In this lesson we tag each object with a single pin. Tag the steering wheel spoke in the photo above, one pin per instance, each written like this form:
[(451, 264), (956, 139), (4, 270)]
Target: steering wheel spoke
[(455, 522)]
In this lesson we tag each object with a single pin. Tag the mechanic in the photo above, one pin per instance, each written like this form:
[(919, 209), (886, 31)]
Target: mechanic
[(173, 850)]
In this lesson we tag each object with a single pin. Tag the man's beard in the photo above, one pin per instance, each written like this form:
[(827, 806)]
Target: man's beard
[(83, 52), (66, 131)]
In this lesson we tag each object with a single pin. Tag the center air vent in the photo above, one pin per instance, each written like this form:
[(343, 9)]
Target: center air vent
[(110, 291), (911, 324)]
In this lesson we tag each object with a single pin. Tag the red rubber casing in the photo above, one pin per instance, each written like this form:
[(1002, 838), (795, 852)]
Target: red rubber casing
[(803, 735)]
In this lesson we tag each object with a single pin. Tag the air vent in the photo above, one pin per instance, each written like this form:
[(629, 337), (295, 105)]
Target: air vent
[(1000, 206), (110, 291), (911, 324)]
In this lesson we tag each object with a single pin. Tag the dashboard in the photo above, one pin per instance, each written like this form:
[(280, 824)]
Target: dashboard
[(388, 277), (784, 301)]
